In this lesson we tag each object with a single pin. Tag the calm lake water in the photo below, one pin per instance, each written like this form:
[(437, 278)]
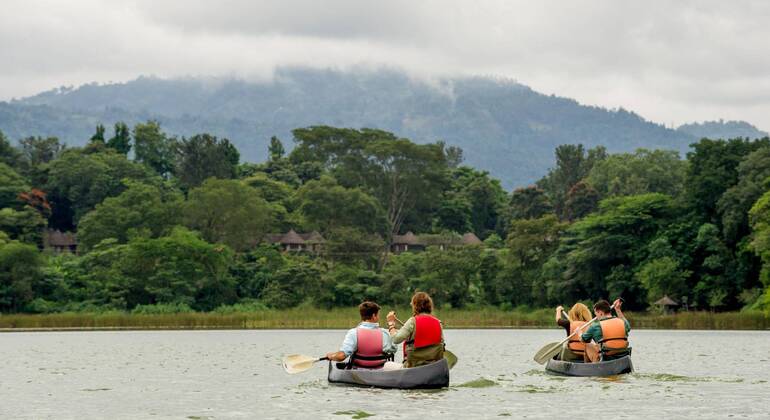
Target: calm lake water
[(237, 374)]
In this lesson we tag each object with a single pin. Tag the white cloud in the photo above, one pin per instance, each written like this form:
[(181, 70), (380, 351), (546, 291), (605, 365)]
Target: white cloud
[(670, 61)]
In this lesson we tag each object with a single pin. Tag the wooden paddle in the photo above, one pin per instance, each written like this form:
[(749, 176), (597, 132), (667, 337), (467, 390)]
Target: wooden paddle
[(448, 355), (296, 363), (550, 350)]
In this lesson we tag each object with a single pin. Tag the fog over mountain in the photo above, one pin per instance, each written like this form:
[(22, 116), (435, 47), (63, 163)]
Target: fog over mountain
[(503, 126)]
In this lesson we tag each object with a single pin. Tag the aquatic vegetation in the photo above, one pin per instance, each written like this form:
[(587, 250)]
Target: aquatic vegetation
[(354, 414), (534, 389), (478, 383)]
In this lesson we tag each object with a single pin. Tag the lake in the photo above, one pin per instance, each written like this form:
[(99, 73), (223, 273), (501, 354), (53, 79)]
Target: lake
[(237, 374)]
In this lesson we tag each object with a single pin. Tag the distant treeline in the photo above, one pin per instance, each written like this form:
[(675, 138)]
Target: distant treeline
[(180, 224)]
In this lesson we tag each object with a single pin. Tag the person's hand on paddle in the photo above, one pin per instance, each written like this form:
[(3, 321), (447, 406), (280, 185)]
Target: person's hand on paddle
[(617, 303), (391, 316), (559, 308)]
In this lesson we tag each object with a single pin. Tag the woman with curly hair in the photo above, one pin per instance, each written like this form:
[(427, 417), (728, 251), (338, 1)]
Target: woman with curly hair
[(422, 334)]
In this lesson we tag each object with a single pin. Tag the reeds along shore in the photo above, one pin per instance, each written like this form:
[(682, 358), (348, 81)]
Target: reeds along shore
[(311, 318)]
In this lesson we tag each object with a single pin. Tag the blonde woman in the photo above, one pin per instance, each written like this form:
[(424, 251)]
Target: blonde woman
[(578, 315)]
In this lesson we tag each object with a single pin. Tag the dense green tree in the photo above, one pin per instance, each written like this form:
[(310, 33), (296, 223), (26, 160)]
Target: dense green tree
[(399, 278), (529, 203), (715, 268), (454, 213), (270, 189), (296, 283), (11, 185), (153, 148), (735, 203), (121, 141), (599, 250), (451, 276), (8, 154), (179, 268), (351, 245), (712, 169), (25, 225), (253, 270), (402, 175), (36, 152), (641, 172), (203, 156), (78, 181), (229, 212), (484, 195), (529, 244), (276, 150), (20, 273), (98, 136), (141, 210), (326, 205), (348, 286), (573, 163), (582, 199), (759, 216), (663, 277)]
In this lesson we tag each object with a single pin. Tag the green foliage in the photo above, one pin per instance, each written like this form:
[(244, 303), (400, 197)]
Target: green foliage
[(451, 276), (582, 200), (641, 172), (573, 163), (529, 203), (20, 275), (8, 154), (293, 284), (663, 277), (735, 203), (140, 210), (121, 141), (473, 202), (276, 150), (25, 225), (228, 212), (153, 148), (11, 185), (203, 156), (712, 169), (78, 181), (326, 206)]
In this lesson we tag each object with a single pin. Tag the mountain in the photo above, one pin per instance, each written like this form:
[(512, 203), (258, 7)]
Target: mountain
[(503, 126), (722, 130)]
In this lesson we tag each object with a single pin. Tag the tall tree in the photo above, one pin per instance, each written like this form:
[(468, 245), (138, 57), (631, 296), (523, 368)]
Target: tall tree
[(121, 141), (153, 148), (326, 205), (276, 150), (573, 163), (203, 156), (582, 199), (228, 212), (8, 154), (529, 203), (140, 210), (713, 168), (735, 203), (641, 172), (98, 136)]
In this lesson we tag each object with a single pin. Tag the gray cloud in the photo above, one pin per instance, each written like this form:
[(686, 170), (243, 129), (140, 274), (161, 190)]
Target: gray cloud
[(670, 61)]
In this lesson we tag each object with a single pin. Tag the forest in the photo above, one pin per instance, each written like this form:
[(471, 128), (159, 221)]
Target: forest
[(174, 224)]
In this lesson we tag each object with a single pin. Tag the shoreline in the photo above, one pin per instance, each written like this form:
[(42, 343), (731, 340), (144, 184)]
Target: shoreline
[(344, 318)]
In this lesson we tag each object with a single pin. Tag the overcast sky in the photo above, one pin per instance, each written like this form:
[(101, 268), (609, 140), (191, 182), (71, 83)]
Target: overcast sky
[(670, 61)]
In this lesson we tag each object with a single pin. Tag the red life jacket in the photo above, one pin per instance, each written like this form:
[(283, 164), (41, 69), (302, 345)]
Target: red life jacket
[(576, 344), (369, 349), (427, 332)]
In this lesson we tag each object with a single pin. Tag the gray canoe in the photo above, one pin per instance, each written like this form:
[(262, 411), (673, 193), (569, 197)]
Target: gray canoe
[(434, 375), (611, 367)]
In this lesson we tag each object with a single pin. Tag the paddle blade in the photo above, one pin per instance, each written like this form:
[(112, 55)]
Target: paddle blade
[(450, 358), (547, 352), (296, 363)]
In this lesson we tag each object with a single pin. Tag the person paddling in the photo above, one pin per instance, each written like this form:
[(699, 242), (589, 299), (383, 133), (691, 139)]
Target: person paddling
[(609, 334), (578, 315), (368, 345), (422, 334)]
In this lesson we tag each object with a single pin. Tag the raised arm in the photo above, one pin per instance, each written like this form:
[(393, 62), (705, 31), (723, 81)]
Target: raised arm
[(617, 304)]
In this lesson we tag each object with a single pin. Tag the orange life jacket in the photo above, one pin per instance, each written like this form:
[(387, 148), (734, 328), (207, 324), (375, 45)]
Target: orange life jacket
[(576, 343), (369, 348), (614, 335)]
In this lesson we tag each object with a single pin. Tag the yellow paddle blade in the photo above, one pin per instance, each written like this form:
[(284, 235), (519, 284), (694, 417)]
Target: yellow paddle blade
[(547, 352), (450, 358), (296, 363)]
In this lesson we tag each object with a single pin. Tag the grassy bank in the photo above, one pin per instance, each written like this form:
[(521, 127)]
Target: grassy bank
[(346, 318)]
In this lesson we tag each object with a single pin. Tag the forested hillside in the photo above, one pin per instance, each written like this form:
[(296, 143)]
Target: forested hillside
[(503, 126), (169, 224)]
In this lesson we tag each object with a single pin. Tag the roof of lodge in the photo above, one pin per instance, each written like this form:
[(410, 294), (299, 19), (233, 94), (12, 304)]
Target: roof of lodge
[(666, 301), (57, 238)]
